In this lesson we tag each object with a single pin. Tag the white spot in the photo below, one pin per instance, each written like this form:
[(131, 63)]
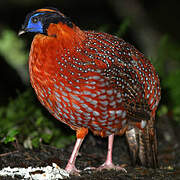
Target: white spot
[(62, 84), (153, 106), (64, 93), (105, 117), (86, 92), (92, 82), (118, 95), (102, 85), (50, 102), (65, 115), (111, 98), (79, 118), (56, 94), (87, 99), (89, 109), (95, 77), (75, 106), (104, 124), (94, 102), (96, 127), (151, 100), (112, 113), (123, 123), (90, 87), (110, 92), (102, 91), (102, 97), (75, 97), (143, 124), (77, 87), (103, 109), (68, 89), (147, 96), (87, 118), (76, 92), (95, 113), (65, 99), (101, 120), (116, 121), (105, 103), (77, 114), (79, 110), (59, 105), (58, 111), (110, 123), (56, 86), (72, 117), (65, 110), (119, 100), (119, 112), (93, 95), (112, 118), (113, 103), (124, 114)]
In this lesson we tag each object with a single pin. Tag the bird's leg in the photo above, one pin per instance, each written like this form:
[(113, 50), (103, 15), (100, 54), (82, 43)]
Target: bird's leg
[(70, 167), (108, 164)]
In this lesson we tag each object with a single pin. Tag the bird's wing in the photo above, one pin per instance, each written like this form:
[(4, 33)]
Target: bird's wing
[(115, 58)]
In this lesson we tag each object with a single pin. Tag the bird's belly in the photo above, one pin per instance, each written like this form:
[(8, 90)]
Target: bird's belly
[(100, 110)]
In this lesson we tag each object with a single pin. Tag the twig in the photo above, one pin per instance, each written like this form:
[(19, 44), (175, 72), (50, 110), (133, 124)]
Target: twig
[(6, 154)]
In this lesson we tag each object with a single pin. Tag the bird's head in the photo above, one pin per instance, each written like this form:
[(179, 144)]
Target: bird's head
[(38, 21)]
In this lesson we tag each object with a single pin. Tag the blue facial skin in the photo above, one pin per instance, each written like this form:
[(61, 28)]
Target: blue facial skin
[(35, 27)]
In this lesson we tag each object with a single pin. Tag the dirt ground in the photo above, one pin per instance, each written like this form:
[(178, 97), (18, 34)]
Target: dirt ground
[(93, 153)]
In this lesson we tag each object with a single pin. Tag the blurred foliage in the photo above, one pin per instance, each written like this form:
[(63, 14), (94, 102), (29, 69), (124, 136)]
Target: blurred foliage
[(167, 64), (12, 48), (123, 27), (24, 120)]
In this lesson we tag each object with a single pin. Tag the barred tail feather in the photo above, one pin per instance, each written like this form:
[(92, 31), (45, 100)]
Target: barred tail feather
[(131, 136), (143, 144)]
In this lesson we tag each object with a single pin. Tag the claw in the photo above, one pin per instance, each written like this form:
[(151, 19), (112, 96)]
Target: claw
[(111, 166), (71, 169), (108, 163), (107, 167)]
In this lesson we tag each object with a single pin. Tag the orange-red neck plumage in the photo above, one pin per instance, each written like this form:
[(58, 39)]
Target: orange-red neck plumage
[(67, 36)]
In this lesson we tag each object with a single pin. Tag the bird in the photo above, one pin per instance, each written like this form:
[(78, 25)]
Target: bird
[(94, 81)]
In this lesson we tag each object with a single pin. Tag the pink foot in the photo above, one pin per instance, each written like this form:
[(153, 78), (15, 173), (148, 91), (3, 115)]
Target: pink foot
[(111, 166), (108, 163), (71, 169), (108, 167)]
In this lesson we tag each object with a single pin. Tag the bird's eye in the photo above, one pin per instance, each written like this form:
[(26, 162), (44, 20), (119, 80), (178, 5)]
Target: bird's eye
[(34, 20)]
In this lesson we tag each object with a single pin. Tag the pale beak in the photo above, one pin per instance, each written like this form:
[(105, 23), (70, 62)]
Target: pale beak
[(21, 32)]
